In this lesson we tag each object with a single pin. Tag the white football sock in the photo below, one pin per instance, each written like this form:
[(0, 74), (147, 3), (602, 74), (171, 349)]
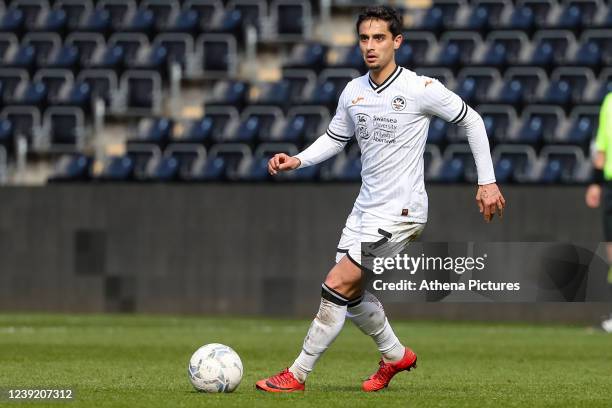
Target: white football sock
[(322, 332), (369, 316)]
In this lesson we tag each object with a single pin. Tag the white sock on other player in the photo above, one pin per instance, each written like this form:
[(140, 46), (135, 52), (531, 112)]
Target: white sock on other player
[(369, 315), (322, 332)]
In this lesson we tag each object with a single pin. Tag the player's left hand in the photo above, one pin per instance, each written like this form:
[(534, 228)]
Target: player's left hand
[(490, 200)]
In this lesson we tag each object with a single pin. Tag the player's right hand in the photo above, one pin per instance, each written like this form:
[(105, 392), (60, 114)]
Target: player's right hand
[(593, 196), (282, 162)]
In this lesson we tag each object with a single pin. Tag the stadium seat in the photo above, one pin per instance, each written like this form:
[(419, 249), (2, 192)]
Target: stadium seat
[(23, 57), (432, 161), (154, 58), (441, 16), (26, 121), (578, 81), (522, 85), (218, 122), (600, 88), (562, 164), (541, 9), (475, 84), (304, 125), (514, 163), (300, 83), (87, 45), (291, 19), (117, 168), (54, 21), (456, 49), (229, 93), (66, 57), (72, 167), (277, 93), (180, 48), (78, 95), (153, 131), (498, 120), (185, 155), (163, 11), (421, 45), (8, 41), (185, 22), (503, 49), (218, 55), (256, 122), (141, 21), (602, 39), (438, 129), (330, 84), (45, 45), (32, 94), (307, 55), (12, 21), (194, 131), (55, 80), (254, 12), (580, 127), (143, 156), (65, 126), (521, 18), (109, 58), (142, 92), (118, 10), (550, 48), (11, 79), (31, 9), (96, 21), (75, 11), (103, 84), (538, 124), (458, 165), (131, 43), (207, 11), (225, 161), (444, 75), (228, 22)]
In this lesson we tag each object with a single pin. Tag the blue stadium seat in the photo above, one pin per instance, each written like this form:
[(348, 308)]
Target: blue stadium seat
[(111, 58), (458, 165), (79, 95), (117, 168), (304, 125), (224, 162), (307, 55), (452, 171), (514, 163), (350, 57), (602, 39), (32, 10), (154, 131), (143, 156), (66, 126), (581, 127), (499, 121), (12, 21), (186, 22), (475, 84), (72, 167), (442, 15), (97, 21), (301, 82), (34, 94), (256, 122), (456, 49), (196, 131), (550, 48), (118, 10), (11, 80), (179, 46), (541, 10), (218, 55), (75, 11), (438, 129), (142, 21), (23, 58), (421, 44), (8, 41), (562, 164), (207, 11), (350, 170), (277, 93), (522, 85), (55, 21), (253, 11), (186, 156), (521, 18), (538, 123), (229, 93), (504, 48), (153, 58), (330, 85), (558, 93), (293, 19), (87, 44), (102, 84), (66, 57), (143, 92), (131, 43), (45, 45), (257, 169), (600, 88), (229, 22), (166, 169), (55, 80), (26, 121), (163, 11)]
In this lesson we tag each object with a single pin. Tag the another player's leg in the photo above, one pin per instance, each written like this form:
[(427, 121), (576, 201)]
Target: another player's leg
[(342, 283), (369, 316)]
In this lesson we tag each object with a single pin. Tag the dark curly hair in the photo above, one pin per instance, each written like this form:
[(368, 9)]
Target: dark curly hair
[(389, 14)]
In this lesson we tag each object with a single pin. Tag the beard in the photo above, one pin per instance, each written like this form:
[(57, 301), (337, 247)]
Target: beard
[(373, 67)]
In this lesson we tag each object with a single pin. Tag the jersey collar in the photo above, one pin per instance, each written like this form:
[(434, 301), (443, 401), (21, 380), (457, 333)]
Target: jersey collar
[(385, 84)]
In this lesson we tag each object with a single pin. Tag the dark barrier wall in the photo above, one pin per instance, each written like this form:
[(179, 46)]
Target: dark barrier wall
[(239, 249)]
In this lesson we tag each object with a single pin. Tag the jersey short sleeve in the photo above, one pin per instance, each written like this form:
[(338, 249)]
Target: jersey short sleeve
[(438, 100), (604, 131), (341, 127)]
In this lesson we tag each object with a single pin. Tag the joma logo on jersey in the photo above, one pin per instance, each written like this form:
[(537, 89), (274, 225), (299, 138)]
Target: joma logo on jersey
[(357, 100), (361, 126), (398, 103)]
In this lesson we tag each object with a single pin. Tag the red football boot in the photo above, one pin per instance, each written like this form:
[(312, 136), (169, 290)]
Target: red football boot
[(281, 382), (381, 378)]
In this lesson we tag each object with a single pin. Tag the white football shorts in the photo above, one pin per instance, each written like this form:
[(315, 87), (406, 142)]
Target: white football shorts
[(388, 238)]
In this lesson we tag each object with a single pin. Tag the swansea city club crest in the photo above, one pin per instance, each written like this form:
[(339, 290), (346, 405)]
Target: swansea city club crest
[(398, 103)]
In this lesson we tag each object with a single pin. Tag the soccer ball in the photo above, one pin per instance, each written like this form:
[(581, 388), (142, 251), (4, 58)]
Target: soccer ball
[(215, 368)]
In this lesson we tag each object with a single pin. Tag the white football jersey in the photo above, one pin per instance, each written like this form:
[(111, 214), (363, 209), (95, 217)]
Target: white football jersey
[(391, 122)]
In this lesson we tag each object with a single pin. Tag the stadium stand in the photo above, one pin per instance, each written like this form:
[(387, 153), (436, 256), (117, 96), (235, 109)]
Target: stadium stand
[(536, 70)]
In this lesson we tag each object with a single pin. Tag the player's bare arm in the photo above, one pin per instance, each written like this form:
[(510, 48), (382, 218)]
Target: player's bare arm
[(282, 162), (490, 201)]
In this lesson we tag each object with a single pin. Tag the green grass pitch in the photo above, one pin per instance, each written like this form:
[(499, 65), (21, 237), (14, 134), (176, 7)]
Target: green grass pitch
[(141, 361)]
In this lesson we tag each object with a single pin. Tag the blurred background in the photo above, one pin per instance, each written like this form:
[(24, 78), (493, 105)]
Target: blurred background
[(134, 137)]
